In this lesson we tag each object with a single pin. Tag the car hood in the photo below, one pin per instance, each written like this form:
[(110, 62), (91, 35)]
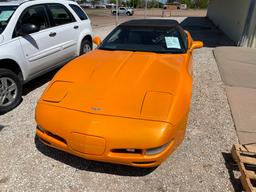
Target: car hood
[(119, 83)]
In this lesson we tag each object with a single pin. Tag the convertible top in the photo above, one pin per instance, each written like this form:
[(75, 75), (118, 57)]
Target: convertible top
[(151, 23)]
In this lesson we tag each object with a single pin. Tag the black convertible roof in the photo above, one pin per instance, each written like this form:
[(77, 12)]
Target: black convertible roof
[(151, 23)]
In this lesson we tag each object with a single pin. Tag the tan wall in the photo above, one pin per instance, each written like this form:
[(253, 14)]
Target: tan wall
[(229, 16)]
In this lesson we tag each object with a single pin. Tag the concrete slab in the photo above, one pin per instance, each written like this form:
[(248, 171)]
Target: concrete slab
[(237, 66), (246, 138), (243, 106)]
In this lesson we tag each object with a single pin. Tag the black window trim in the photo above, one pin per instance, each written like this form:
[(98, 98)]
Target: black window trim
[(51, 16), (70, 5), (21, 15), (183, 37)]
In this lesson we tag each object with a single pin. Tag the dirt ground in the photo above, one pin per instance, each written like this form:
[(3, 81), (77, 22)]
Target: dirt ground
[(103, 17)]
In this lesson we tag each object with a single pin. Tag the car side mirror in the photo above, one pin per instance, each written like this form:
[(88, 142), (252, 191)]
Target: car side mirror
[(196, 45), (97, 40), (29, 28)]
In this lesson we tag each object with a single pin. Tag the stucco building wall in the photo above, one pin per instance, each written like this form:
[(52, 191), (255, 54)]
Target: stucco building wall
[(231, 17)]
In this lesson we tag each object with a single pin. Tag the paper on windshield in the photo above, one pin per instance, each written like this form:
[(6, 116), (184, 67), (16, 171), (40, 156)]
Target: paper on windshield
[(172, 42), (5, 15)]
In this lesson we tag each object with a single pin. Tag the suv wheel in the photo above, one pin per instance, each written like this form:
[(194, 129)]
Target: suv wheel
[(86, 46), (128, 13), (10, 90)]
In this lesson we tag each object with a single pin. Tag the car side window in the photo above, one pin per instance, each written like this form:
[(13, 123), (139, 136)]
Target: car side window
[(79, 12), (60, 14), (122, 8), (35, 15)]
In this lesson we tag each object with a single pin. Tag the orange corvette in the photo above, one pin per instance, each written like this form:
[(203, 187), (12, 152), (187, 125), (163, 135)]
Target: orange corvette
[(127, 101)]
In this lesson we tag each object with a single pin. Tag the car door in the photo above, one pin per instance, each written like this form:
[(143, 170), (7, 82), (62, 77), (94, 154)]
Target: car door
[(40, 49), (122, 10), (66, 29)]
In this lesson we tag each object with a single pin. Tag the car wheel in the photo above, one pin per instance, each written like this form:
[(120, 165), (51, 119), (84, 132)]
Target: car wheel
[(128, 13), (10, 90), (86, 46)]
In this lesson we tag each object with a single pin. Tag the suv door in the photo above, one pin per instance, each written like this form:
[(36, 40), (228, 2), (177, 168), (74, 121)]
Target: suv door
[(122, 10), (66, 29), (41, 48)]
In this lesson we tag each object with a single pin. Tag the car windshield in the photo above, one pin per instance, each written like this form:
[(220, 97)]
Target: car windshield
[(6, 13), (145, 39)]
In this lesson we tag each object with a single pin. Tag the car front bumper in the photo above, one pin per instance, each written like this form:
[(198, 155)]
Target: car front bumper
[(107, 138)]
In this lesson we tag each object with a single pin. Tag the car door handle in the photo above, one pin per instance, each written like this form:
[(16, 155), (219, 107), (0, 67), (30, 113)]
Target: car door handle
[(52, 34), (76, 27)]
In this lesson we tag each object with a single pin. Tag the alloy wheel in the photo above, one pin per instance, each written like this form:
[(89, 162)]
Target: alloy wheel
[(86, 48), (8, 91)]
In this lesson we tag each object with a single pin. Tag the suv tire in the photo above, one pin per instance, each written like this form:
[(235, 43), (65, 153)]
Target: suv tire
[(85, 47), (128, 14), (10, 90)]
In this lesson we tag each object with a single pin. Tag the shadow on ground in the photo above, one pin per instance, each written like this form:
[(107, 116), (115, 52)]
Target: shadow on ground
[(201, 28), (38, 82), (88, 165), (232, 167), (1, 127)]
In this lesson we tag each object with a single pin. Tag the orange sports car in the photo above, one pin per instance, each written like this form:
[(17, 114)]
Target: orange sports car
[(127, 101)]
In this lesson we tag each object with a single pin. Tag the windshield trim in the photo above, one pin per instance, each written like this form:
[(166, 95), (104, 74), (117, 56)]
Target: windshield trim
[(150, 51), (181, 51)]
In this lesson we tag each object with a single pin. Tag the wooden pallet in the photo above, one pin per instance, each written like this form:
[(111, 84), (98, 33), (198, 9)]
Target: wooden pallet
[(245, 157)]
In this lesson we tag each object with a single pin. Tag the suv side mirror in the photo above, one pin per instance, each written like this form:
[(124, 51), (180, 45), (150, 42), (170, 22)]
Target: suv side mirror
[(97, 40), (29, 28)]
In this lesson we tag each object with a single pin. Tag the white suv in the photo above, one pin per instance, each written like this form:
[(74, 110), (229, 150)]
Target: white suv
[(35, 37)]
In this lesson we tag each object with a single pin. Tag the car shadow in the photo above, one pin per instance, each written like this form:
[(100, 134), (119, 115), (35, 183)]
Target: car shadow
[(1, 127), (232, 167), (39, 81), (89, 165), (202, 29)]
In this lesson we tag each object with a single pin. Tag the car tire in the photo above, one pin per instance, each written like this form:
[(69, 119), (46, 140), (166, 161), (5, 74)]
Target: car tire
[(85, 47), (10, 90), (113, 13), (128, 13)]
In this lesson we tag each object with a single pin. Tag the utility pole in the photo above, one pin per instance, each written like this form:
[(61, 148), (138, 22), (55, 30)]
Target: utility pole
[(116, 12), (146, 7)]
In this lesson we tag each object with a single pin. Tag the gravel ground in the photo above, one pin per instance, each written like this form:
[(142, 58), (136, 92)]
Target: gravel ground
[(199, 164)]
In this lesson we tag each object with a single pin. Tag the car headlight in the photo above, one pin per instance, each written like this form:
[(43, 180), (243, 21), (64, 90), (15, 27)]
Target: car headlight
[(57, 91), (156, 150)]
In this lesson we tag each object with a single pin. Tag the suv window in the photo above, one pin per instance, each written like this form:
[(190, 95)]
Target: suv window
[(6, 13), (60, 14), (33, 15), (79, 12)]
